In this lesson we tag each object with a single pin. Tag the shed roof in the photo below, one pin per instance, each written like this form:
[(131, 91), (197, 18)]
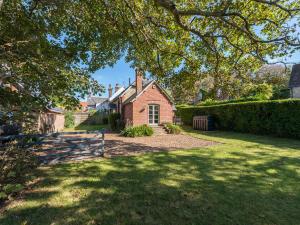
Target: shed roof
[(295, 76)]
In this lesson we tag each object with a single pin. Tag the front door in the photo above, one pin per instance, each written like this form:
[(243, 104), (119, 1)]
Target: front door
[(153, 114)]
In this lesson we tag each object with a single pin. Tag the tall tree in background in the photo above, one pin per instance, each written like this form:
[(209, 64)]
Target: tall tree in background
[(50, 47)]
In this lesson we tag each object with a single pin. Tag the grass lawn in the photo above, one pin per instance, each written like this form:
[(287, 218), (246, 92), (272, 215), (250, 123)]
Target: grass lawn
[(86, 128), (246, 180)]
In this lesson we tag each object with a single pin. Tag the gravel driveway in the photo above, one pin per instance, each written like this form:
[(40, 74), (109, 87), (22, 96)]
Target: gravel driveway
[(86, 146), (118, 145)]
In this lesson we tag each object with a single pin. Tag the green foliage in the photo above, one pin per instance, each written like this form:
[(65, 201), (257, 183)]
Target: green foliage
[(276, 117), (3, 196), (105, 120), (279, 93), (115, 122), (210, 101), (260, 91), (172, 128), (12, 188), (69, 119), (138, 131), (16, 163)]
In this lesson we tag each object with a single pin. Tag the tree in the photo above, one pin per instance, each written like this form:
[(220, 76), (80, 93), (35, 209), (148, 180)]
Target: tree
[(276, 75), (50, 47)]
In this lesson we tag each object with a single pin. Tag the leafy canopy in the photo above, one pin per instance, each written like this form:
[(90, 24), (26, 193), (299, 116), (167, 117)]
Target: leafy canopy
[(50, 47)]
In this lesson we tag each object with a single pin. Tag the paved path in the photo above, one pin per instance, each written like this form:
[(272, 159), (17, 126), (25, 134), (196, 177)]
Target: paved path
[(86, 146)]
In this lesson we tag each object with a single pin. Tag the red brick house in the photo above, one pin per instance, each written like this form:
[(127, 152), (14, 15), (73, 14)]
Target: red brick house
[(144, 102)]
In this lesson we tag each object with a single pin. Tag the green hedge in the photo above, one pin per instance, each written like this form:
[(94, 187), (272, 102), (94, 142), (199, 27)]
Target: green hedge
[(277, 117), (115, 122)]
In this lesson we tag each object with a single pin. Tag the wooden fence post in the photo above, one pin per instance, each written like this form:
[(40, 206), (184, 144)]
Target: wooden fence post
[(102, 147)]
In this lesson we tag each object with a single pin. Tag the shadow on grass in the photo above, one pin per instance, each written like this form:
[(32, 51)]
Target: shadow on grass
[(184, 187)]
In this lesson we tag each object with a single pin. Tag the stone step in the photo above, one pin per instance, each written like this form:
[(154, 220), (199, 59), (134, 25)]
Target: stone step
[(159, 130)]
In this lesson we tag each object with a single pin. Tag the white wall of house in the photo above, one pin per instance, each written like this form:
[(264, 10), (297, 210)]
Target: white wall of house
[(296, 92)]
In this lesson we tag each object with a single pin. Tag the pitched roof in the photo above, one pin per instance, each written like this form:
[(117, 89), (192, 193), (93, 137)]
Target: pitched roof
[(116, 94), (135, 96), (95, 100), (295, 76), (145, 82)]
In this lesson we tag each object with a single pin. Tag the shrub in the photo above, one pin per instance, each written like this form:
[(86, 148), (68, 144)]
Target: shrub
[(261, 91), (172, 128), (276, 117), (69, 119), (105, 120), (137, 131), (16, 163), (115, 122)]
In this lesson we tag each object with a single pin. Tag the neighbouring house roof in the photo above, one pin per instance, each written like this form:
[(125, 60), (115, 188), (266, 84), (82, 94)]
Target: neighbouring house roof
[(116, 94), (95, 100), (83, 104), (56, 110), (295, 76)]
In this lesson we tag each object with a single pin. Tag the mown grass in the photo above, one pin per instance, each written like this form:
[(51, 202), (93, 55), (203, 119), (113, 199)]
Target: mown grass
[(247, 179)]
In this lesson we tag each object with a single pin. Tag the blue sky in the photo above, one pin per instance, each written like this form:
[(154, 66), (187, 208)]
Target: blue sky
[(121, 72)]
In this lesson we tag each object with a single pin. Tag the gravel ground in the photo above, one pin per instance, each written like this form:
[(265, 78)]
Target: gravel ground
[(118, 145), (86, 146)]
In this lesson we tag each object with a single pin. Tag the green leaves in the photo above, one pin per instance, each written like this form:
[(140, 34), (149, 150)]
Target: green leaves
[(51, 47)]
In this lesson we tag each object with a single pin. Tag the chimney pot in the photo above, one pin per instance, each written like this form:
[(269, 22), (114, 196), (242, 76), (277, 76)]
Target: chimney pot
[(138, 81), (117, 87), (109, 90)]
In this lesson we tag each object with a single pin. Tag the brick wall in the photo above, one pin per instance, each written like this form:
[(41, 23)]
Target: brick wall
[(127, 114), (152, 95)]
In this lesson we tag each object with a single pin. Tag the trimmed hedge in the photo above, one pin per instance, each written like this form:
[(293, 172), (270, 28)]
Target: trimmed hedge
[(277, 117)]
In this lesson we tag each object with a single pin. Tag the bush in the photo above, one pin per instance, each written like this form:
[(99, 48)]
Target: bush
[(261, 91), (115, 122), (69, 120), (137, 131), (276, 117), (16, 164), (172, 128), (105, 120)]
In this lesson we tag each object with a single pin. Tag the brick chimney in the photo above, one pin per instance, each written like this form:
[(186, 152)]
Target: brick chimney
[(117, 87), (109, 90), (138, 80)]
